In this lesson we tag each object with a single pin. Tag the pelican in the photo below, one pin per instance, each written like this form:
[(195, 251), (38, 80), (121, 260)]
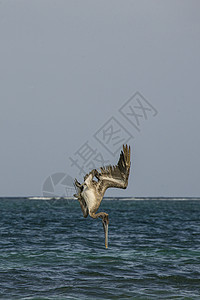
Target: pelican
[(90, 193)]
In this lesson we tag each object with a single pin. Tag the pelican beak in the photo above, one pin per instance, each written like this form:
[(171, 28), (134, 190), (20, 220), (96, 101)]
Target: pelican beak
[(105, 227)]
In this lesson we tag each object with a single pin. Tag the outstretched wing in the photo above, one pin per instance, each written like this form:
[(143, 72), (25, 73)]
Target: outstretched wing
[(115, 176)]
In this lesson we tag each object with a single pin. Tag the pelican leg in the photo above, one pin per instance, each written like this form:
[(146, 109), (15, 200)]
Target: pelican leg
[(78, 184), (78, 188), (83, 205)]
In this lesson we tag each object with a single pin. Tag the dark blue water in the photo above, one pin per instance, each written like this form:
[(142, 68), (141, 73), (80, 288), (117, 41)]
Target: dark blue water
[(49, 251)]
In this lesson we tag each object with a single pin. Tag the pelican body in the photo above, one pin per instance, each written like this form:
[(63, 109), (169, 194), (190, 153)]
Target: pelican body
[(90, 193)]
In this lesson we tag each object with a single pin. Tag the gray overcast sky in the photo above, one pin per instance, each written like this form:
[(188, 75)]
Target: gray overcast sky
[(66, 69)]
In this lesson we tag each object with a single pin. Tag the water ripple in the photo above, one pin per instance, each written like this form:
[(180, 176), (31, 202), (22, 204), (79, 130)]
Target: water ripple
[(51, 252)]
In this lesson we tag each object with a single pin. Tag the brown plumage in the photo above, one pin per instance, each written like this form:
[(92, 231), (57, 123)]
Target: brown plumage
[(91, 192)]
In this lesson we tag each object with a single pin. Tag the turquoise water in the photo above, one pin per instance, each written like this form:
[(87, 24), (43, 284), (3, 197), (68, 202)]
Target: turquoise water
[(49, 251)]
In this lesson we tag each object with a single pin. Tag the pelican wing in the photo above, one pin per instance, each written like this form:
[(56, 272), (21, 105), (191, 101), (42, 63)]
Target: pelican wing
[(115, 176)]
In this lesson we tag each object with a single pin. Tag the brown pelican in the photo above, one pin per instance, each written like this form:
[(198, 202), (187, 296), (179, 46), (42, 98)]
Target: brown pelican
[(90, 193)]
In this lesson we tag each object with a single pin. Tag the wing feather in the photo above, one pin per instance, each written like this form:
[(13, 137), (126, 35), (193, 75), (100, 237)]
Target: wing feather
[(115, 176)]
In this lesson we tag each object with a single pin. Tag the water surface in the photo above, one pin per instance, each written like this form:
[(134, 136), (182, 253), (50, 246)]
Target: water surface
[(49, 251)]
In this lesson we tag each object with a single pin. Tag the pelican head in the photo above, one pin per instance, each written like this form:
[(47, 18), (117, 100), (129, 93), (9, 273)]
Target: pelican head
[(105, 222)]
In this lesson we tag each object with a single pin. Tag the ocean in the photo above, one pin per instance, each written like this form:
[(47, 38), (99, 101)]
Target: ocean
[(49, 251)]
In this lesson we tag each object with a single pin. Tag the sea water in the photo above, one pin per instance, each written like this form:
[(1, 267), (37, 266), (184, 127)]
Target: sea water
[(49, 251)]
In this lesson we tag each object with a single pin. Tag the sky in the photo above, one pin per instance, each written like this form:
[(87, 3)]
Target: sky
[(80, 78)]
